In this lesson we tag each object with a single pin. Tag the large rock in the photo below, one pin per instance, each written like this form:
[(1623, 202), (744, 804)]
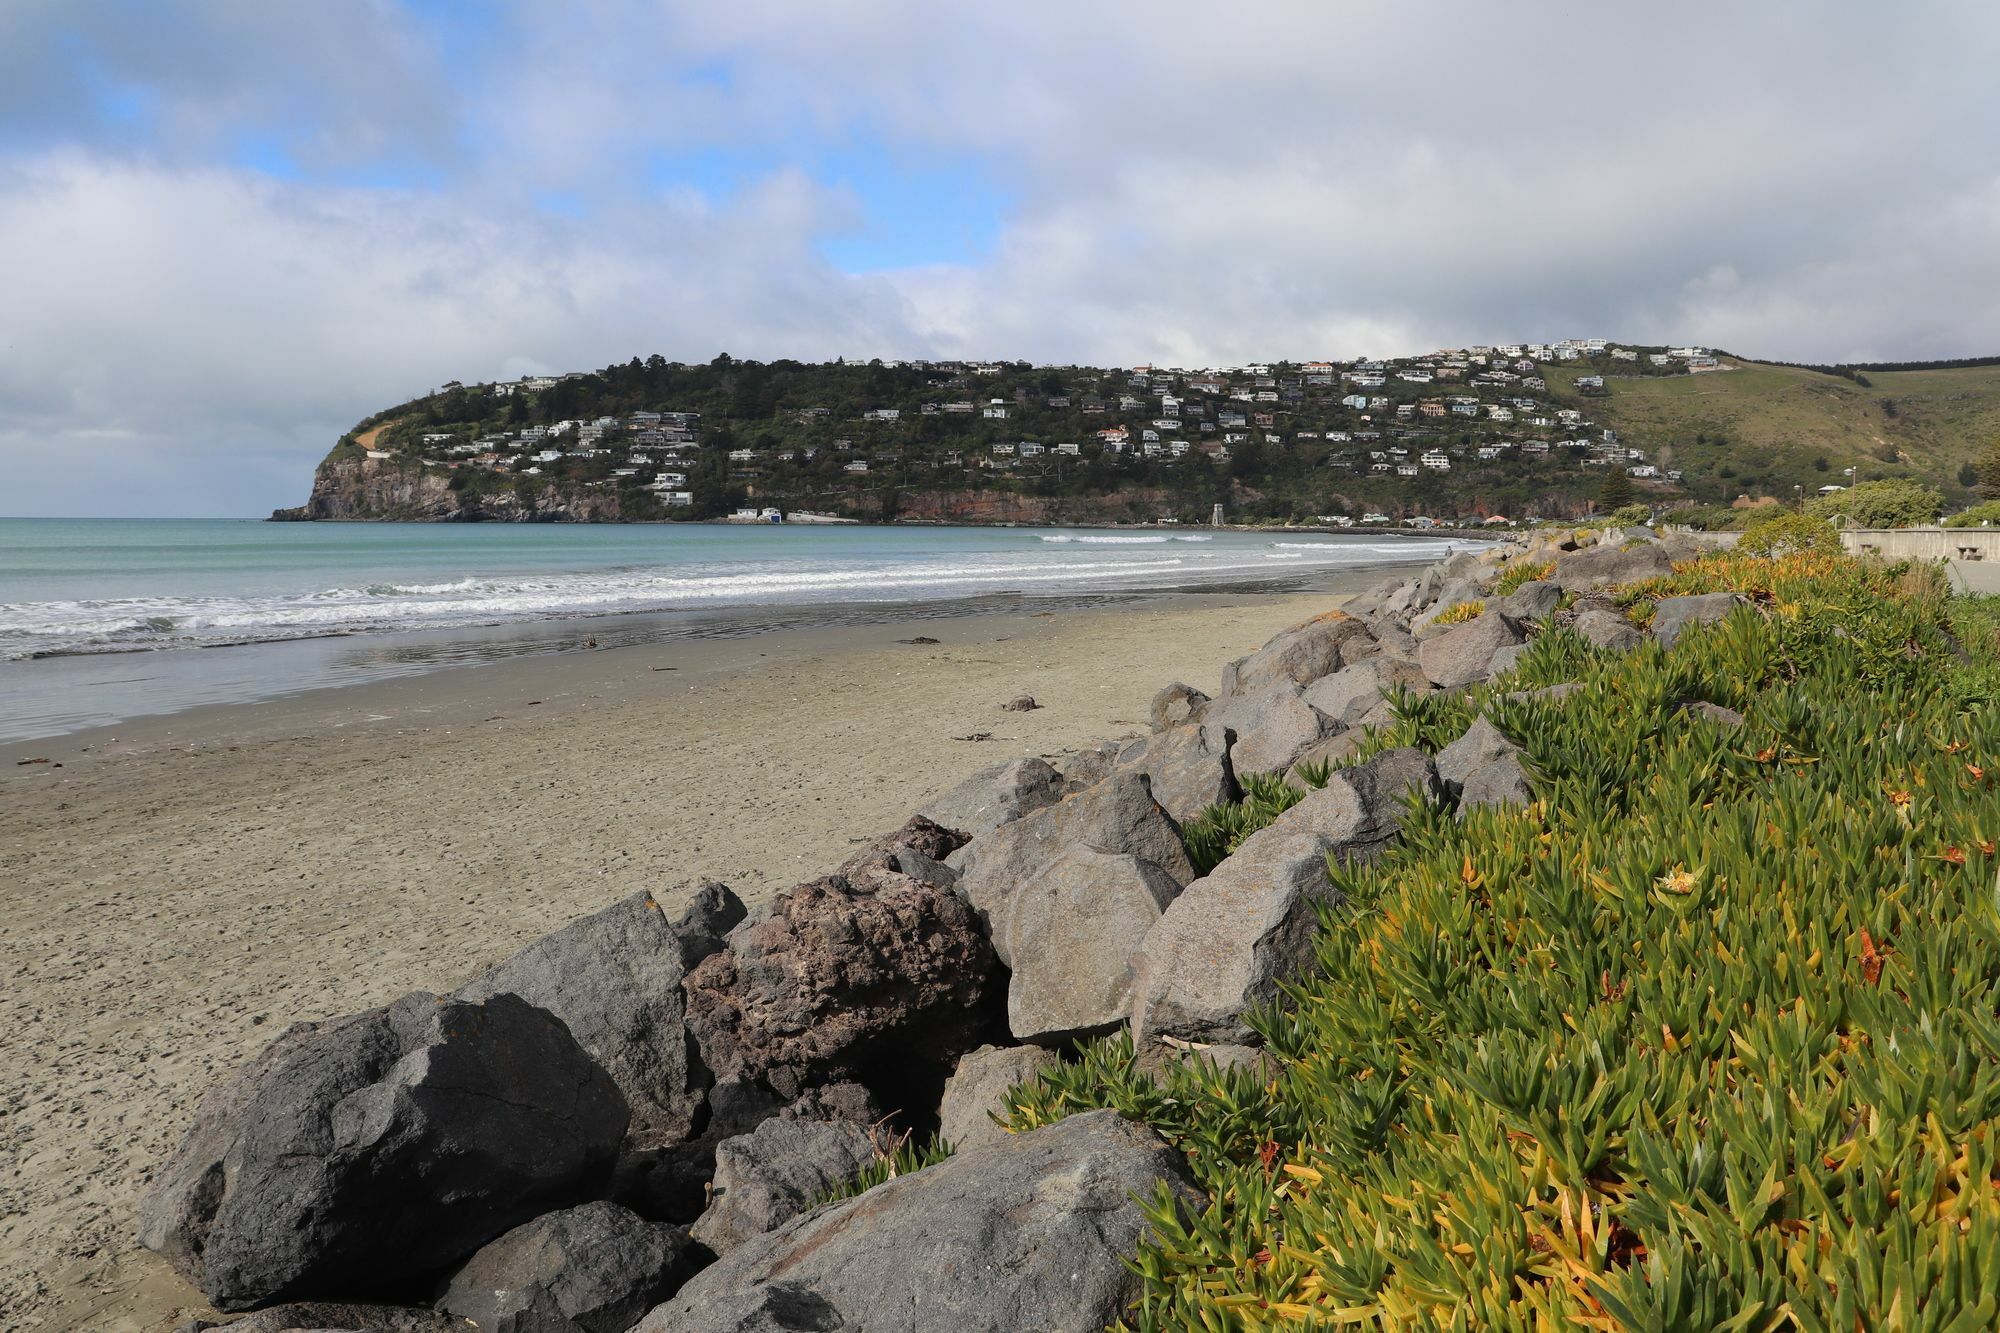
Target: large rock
[(1352, 691), (884, 981), (1301, 654), (1335, 750), (1118, 816), (1463, 655), (1530, 601), (1032, 1232), (996, 796), (1452, 592), (354, 1155), (593, 1269), (1176, 706), (915, 851), (1609, 631), (1267, 730), (1088, 767), (769, 1176), (1605, 566), (1483, 767), (334, 1317), (614, 979), (1186, 767), (1671, 615), (1225, 943), (1069, 935), (978, 1092)]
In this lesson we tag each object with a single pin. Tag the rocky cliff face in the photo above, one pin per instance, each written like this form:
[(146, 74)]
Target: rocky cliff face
[(388, 488)]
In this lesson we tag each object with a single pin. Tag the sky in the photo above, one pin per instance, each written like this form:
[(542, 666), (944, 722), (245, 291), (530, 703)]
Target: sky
[(231, 228)]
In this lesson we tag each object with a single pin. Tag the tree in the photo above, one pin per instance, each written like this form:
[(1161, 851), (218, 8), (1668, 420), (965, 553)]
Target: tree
[(1892, 503), (1616, 492), (1989, 471)]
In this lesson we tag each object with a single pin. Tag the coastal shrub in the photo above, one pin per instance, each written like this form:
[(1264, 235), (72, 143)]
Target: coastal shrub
[(1704, 1037), (1460, 613), (1786, 533), (1890, 503), (1519, 572), (1630, 516), (1977, 516)]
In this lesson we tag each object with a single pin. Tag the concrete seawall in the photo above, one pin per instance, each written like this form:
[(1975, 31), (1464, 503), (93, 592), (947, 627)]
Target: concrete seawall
[(1973, 554)]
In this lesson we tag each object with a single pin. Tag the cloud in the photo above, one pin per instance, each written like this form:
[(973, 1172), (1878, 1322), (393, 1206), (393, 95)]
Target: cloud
[(229, 229)]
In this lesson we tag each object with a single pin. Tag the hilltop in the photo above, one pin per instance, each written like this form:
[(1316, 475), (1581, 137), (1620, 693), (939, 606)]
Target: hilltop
[(1510, 431)]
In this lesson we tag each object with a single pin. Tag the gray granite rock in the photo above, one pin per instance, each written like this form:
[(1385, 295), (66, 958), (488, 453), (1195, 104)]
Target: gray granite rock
[(1176, 706), (1351, 691), (978, 1091), (1187, 767), (1609, 631), (769, 1176), (1069, 933), (614, 979), (1224, 944), (1530, 601), (596, 1268), (1301, 654), (1032, 1232), (995, 796), (1266, 730), (1463, 655), (1671, 615), (358, 1154), (1609, 566)]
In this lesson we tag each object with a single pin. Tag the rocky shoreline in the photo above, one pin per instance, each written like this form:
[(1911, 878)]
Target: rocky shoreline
[(630, 1123)]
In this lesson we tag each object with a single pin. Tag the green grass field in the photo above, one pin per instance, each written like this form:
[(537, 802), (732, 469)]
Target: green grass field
[(1764, 429)]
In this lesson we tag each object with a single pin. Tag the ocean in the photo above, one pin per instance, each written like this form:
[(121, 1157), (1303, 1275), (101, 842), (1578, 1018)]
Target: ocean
[(98, 617)]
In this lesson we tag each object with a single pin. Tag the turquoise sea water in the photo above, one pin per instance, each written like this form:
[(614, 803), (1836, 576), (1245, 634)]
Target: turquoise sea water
[(103, 595)]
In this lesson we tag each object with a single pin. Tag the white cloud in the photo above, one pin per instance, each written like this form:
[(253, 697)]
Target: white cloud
[(1791, 180)]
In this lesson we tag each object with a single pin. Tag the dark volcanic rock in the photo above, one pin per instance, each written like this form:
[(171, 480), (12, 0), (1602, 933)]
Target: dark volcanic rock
[(615, 980), (335, 1317), (878, 979), (593, 1269), (1028, 1233), (355, 1154), (769, 1176)]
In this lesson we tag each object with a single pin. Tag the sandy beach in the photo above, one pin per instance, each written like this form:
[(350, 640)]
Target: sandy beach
[(177, 890)]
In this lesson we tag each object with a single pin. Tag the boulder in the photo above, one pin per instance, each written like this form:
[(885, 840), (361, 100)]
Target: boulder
[(769, 1176), (1463, 655), (592, 1269), (1031, 1232), (883, 982), (1187, 768), (1069, 934), (1224, 944), (1716, 713), (614, 979), (1176, 706), (1483, 767), (1352, 691), (1608, 566), (1609, 631), (1395, 641), (358, 1154), (1267, 730), (1506, 659), (995, 796), (1118, 816), (1333, 751), (1086, 768), (1453, 592), (334, 1317), (1530, 601), (1301, 654), (978, 1091), (1671, 615)]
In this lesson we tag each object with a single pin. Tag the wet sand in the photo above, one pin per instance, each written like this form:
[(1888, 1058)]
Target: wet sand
[(174, 892)]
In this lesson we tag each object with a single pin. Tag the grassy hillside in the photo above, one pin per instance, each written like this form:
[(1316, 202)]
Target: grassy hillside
[(1763, 429)]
